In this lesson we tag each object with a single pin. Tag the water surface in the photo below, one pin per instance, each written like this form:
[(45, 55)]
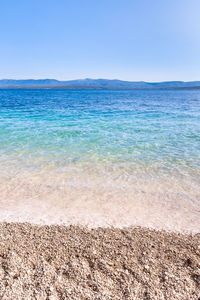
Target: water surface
[(101, 157)]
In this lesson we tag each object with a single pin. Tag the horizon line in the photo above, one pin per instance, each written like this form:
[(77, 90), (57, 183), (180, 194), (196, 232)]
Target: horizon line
[(99, 78)]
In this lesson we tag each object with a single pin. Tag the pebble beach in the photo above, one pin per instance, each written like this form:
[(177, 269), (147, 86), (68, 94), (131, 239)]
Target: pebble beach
[(58, 262)]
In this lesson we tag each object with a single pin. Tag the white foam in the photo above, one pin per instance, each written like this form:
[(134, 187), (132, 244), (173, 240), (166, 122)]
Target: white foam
[(95, 200)]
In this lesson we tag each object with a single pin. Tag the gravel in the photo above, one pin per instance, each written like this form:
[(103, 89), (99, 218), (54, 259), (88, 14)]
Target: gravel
[(58, 262)]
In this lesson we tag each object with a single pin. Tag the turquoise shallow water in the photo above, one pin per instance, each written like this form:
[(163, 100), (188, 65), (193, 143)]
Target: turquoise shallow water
[(136, 136), (118, 128)]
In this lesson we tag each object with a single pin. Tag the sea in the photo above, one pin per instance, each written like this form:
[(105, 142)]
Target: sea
[(101, 157)]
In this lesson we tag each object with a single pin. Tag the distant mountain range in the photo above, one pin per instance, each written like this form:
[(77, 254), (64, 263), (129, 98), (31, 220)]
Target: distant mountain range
[(95, 83)]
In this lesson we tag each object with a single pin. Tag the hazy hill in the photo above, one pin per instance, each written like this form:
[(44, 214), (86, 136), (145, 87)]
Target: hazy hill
[(94, 83)]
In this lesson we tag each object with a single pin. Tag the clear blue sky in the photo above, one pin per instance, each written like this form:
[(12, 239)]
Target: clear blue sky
[(151, 40)]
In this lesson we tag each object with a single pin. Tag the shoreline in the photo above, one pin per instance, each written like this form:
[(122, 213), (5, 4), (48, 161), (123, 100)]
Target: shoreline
[(72, 262)]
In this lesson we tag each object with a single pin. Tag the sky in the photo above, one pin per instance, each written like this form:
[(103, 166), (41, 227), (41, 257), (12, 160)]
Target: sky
[(148, 40)]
